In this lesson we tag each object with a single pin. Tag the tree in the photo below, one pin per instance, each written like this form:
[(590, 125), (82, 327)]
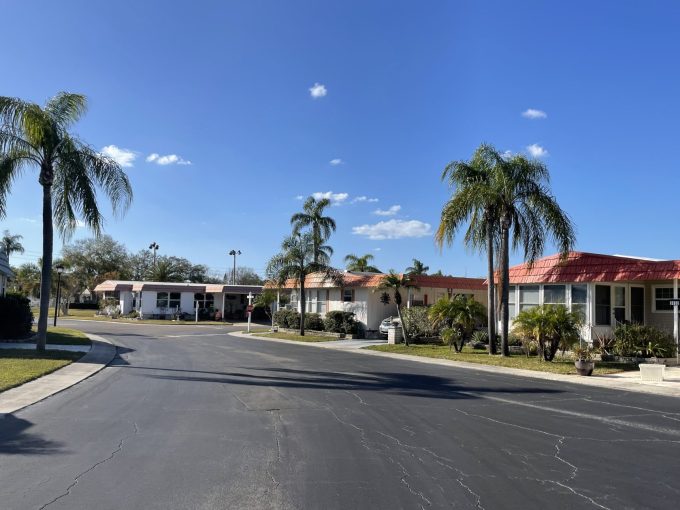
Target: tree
[(549, 327), (321, 226), (266, 301), (27, 280), (94, 260), (11, 243), (244, 276), (417, 268), (299, 257), (168, 269), (474, 203), (395, 283), (140, 264), (360, 264), (460, 312), (70, 172), (526, 207)]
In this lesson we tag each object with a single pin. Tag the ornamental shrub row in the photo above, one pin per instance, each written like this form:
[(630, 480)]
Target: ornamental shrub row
[(336, 321)]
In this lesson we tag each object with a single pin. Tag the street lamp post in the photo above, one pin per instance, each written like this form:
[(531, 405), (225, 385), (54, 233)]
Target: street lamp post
[(154, 246), (60, 269), (233, 275)]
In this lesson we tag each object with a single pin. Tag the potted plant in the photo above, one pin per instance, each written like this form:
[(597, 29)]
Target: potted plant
[(584, 360)]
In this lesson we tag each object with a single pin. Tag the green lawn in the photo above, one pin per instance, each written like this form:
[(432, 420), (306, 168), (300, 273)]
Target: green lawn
[(513, 361), (63, 336), (298, 338), (18, 366), (91, 316)]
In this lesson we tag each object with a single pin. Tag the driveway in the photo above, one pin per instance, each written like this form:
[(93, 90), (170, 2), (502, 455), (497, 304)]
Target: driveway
[(193, 418)]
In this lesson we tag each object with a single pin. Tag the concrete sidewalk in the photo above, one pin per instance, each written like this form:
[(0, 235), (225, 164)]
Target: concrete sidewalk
[(49, 347), (626, 381), (100, 355)]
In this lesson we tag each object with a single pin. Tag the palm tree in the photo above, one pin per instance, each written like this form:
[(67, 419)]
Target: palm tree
[(549, 327), (473, 203), (360, 264), (462, 312), (166, 270), (526, 207), (417, 268), (299, 257), (321, 226), (70, 172), (11, 243), (396, 282)]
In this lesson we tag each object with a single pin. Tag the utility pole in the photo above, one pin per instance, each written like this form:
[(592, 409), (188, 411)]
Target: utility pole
[(233, 275)]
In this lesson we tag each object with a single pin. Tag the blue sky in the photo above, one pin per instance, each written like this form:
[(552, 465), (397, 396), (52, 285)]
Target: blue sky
[(222, 92)]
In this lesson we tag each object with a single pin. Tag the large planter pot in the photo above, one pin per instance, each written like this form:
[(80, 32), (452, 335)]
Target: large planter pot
[(584, 367)]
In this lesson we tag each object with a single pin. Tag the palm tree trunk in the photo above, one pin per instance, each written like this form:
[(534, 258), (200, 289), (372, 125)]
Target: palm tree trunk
[(303, 303), (403, 326), (491, 295), (46, 282), (505, 287)]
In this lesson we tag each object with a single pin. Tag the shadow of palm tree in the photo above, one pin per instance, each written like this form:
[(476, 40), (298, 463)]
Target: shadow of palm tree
[(16, 440)]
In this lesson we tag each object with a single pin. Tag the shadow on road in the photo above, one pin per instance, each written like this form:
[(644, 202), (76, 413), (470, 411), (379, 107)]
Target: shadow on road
[(416, 385), (16, 440)]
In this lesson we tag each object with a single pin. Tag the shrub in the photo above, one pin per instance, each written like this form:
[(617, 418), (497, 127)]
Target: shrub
[(110, 306), (16, 317), (287, 319), (338, 321), (453, 337), (642, 341), (417, 322), (479, 339), (313, 322), (548, 327)]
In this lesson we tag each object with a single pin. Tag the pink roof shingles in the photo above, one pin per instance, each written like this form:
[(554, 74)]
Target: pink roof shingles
[(593, 267), (363, 280)]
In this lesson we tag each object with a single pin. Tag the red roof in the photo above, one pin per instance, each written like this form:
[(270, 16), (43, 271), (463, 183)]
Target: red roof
[(593, 267), (372, 280)]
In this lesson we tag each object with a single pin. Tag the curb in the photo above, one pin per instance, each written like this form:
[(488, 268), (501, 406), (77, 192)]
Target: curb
[(593, 381), (100, 355)]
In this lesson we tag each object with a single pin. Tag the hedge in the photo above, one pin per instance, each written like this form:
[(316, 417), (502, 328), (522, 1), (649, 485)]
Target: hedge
[(16, 317)]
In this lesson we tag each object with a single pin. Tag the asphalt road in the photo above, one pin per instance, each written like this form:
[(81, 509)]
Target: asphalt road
[(192, 418)]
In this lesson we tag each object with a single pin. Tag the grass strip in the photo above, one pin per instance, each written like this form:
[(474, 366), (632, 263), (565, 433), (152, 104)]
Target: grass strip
[(298, 338), (18, 366), (557, 366)]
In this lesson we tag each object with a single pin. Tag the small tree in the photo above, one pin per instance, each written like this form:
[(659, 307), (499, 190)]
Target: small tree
[(548, 326), (396, 282), (460, 312), (266, 301)]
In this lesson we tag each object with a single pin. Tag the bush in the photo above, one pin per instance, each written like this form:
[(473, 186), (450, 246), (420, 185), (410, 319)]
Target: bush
[(287, 319), (313, 322), (643, 341), (417, 322), (16, 317), (338, 321), (453, 337), (479, 339)]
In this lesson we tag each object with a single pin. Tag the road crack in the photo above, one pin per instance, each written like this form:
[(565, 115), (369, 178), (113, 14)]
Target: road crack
[(77, 478)]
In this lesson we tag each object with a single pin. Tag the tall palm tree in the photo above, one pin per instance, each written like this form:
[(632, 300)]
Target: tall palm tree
[(299, 257), (396, 282), (360, 264), (11, 243), (527, 209), (474, 203), (417, 268), (70, 173), (166, 270), (321, 226)]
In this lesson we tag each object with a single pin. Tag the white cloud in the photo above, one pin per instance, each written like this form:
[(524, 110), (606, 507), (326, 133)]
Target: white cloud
[(335, 198), (317, 90), (388, 212), (532, 113), (169, 159), (124, 157), (377, 249), (364, 198), (394, 229), (537, 151), (29, 220), (299, 197), (336, 161), (507, 154)]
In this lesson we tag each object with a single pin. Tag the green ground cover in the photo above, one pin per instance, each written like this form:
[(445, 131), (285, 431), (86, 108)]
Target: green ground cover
[(558, 366), (298, 338), (18, 366)]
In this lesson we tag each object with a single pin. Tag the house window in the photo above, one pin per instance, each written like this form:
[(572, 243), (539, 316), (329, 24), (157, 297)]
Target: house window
[(579, 301), (204, 300), (554, 294), (528, 297), (603, 305), (662, 297), (348, 295), (511, 301), (637, 305), (168, 300), (619, 304)]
